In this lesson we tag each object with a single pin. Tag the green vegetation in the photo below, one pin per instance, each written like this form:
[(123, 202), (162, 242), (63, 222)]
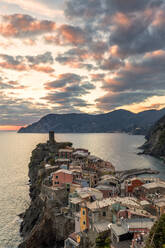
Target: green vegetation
[(102, 242), (51, 161), (156, 237), (162, 138)]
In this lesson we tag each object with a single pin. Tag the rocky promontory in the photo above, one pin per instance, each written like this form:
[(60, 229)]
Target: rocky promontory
[(43, 225), (155, 140)]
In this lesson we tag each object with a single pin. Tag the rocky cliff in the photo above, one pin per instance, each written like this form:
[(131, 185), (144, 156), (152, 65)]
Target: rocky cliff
[(155, 144), (115, 121), (43, 225)]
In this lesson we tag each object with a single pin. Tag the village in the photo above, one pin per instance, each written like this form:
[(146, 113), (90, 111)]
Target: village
[(107, 210)]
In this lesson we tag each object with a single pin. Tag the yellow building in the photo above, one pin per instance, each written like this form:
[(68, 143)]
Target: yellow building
[(84, 224), (160, 207)]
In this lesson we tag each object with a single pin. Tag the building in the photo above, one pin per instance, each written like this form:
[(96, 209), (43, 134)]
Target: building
[(135, 182), (73, 240), (81, 195), (91, 177), (62, 177), (131, 184), (108, 191), (80, 154), (160, 206), (51, 137), (109, 186), (152, 190), (107, 209), (84, 221), (125, 229), (65, 153)]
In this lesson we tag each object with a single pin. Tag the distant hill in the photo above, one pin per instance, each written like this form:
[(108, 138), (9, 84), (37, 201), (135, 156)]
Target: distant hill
[(115, 121), (155, 140)]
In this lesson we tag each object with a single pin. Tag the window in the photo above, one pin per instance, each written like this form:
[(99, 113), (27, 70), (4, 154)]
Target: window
[(104, 213), (84, 222), (56, 176), (57, 182), (83, 212)]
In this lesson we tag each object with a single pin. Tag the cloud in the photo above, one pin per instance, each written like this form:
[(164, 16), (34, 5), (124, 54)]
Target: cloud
[(135, 82), (113, 100), (6, 84), (41, 58), (88, 9), (45, 69), (68, 35), (73, 61), (35, 6), (67, 90), (112, 63), (39, 62), (24, 26), (126, 6), (63, 80), (97, 76), (118, 44)]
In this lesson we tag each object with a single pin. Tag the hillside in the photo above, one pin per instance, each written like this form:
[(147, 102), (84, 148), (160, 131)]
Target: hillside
[(115, 121), (157, 234), (155, 144)]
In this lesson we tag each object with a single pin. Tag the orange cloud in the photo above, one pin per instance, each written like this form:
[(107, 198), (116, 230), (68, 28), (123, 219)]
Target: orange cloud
[(19, 25), (121, 20), (97, 76), (159, 20), (148, 107), (157, 53), (116, 52), (19, 67), (66, 35), (72, 35), (45, 69)]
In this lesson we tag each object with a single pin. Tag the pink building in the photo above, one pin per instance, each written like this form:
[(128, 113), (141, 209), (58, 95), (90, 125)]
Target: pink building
[(62, 177)]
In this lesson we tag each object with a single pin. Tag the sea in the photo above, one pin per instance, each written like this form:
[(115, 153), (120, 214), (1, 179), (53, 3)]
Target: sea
[(15, 151)]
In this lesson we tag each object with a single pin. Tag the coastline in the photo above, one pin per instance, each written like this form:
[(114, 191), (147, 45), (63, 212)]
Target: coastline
[(37, 228)]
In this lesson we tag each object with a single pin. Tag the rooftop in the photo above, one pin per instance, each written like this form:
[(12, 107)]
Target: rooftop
[(139, 223), (62, 160), (105, 187), (159, 184), (102, 226), (105, 177), (126, 201), (66, 150), (87, 192), (119, 229), (64, 171)]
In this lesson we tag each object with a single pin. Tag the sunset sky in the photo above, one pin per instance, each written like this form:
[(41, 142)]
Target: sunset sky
[(72, 56)]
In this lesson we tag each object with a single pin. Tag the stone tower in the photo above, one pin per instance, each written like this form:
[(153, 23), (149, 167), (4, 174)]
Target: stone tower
[(51, 137)]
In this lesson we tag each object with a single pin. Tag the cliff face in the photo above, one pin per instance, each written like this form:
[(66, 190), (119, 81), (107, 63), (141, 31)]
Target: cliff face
[(115, 121), (155, 144), (43, 225)]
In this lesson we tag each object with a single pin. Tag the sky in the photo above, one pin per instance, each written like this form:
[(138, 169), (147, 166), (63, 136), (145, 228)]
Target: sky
[(75, 56)]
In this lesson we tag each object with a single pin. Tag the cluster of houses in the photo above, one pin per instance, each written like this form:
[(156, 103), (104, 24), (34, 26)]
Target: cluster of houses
[(100, 204)]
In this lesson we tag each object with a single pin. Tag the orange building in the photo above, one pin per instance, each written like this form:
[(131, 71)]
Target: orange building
[(62, 177), (131, 185)]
